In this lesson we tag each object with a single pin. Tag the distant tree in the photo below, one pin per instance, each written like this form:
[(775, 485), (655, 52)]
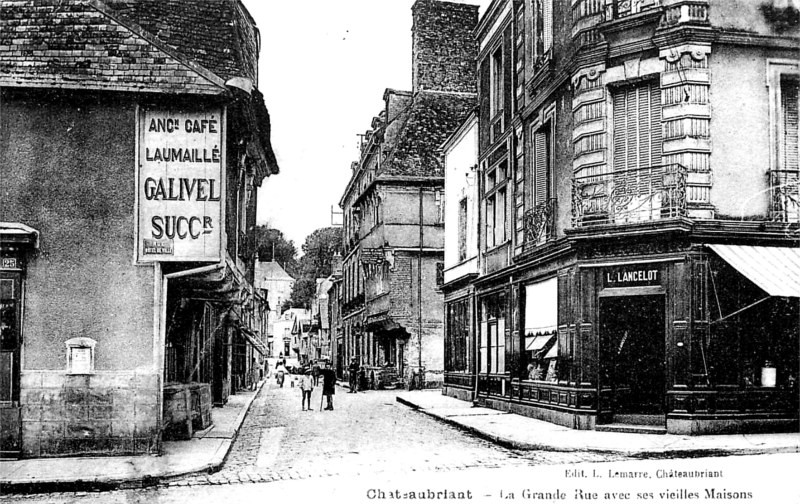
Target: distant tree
[(316, 262), (271, 245)]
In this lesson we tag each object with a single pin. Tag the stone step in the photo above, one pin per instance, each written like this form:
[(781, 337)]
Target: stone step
[(639, 419), (631, 429)]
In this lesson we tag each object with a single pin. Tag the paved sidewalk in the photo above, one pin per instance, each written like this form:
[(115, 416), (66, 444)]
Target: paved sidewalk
[(204, 453), (521, 432)]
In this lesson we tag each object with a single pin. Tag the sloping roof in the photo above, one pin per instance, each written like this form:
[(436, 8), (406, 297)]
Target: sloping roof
[(271, 270), (430, 119), (85, 44), (214, 33)]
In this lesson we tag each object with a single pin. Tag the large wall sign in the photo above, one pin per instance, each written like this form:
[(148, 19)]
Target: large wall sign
[(179, 185)]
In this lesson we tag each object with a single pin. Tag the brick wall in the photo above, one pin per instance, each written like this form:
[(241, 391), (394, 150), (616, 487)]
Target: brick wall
[(443, 47)]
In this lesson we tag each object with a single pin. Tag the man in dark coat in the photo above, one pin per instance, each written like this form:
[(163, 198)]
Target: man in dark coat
[(328, 384), (353, 373)]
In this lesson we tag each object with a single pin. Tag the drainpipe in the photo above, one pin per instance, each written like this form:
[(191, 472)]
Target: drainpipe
[(419, 290)]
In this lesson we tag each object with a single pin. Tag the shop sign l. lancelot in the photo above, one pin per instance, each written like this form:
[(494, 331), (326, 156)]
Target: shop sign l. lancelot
[(179, 185)]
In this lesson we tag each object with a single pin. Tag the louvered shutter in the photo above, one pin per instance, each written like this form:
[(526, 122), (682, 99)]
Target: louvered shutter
[(789, 138), (508, 75), (637, 127), (540, 166), (485, 94), (547, 25)]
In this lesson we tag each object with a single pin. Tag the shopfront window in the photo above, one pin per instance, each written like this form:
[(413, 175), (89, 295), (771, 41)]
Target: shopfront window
[(456, 339), (493, 330), (540, 351), (753, 338)]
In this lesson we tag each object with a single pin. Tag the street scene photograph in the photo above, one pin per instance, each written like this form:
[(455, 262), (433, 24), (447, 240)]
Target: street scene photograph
[(375, 251)]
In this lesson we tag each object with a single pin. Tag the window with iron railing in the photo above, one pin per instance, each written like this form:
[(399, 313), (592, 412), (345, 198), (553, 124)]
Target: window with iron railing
[(629, 196), (616, 9), (539, 217), (784, 181)]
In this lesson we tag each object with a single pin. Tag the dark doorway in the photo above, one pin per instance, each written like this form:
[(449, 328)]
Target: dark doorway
[(632, 353)]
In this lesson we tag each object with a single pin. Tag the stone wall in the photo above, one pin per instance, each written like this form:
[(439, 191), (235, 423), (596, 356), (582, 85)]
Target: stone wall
[(108, 413)]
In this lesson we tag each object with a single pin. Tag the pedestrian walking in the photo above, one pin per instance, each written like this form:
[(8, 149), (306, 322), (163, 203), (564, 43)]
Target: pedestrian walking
[(352, 370), (328, 384), (255, 374), (307, 386), (280, 374)]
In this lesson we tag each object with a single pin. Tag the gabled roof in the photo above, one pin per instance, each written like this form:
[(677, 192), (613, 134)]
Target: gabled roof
[(85, 44)]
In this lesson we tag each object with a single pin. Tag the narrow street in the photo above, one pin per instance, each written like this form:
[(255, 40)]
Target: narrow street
[(371, 444), (367, 433)]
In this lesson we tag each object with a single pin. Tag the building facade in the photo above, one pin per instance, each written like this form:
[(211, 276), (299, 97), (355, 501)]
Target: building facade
[(460, 257), (636, 212), (393, 207), (278, 284), (131, 147)]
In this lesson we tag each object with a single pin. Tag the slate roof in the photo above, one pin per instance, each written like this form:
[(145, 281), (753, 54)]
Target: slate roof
[(90, 44), (430, 119)]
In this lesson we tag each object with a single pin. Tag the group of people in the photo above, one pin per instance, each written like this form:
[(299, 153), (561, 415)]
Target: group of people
[(310, 379)]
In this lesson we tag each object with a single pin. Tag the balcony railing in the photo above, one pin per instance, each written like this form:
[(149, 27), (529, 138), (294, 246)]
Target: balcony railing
[(785, 189), (616, 9), (629, 196), (539, 223)]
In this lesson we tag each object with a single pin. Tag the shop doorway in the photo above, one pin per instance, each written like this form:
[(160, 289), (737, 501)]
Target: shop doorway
[(632, 339)]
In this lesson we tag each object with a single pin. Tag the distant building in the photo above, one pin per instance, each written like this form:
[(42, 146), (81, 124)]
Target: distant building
[(393, 206), (320, 322), (278, 284)]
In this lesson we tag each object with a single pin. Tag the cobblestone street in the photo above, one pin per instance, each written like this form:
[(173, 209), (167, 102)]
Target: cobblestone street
[(367, 433)]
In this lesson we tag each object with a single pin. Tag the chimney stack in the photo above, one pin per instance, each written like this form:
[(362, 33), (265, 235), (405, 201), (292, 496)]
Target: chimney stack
[(444, 50)]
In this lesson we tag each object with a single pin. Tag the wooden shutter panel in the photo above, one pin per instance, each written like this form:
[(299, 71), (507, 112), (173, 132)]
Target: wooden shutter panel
[(637, 126), (484, 93), (540, 166), (508, 76), (620, 129), (547, 36), (789, 138)]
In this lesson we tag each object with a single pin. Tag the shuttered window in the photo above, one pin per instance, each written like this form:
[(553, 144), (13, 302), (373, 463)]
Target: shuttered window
[(543, 24), (542, 163), (637, 126), (788, 135), (462, 229)]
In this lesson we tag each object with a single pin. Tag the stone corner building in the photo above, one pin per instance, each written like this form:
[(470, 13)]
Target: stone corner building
[(638, 261), (391, 310), (132, 141)]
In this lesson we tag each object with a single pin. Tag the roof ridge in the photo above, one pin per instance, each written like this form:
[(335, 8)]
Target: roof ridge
[(155, 41)]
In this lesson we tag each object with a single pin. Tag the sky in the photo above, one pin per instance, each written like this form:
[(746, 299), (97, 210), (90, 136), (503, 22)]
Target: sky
[(323, 68)]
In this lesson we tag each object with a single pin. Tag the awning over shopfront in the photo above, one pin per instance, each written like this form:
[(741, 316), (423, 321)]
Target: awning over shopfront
[(776, 270), (255, 341), (536, 343), (541, 307)]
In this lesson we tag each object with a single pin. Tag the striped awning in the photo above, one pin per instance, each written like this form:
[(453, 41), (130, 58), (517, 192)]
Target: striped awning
[(776, 270), (255, 341)]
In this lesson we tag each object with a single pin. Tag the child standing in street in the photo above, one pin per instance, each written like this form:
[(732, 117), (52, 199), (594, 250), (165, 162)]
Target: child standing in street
[(306, 386)]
